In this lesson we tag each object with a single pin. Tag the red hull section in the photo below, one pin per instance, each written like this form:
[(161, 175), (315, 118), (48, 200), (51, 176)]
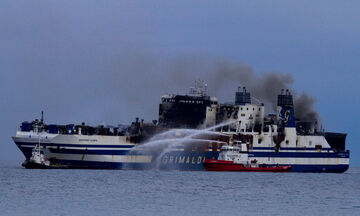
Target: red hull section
[(220, 165)]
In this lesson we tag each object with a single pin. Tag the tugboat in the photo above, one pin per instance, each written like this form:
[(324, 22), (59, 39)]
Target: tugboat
[(38, 160), (235, 158)]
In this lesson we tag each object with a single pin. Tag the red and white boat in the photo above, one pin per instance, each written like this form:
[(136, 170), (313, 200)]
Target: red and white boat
[(235, 158)]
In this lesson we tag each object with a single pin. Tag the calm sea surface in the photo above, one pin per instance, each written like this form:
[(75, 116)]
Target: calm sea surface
[(117, 192)]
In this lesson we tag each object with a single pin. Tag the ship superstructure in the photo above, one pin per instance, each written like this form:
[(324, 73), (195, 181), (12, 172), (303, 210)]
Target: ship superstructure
[(272, 140), (194, 110)]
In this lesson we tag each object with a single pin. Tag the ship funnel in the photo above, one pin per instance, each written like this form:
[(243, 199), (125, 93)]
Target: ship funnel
[(285, 109), (285, 99), (242, 97)]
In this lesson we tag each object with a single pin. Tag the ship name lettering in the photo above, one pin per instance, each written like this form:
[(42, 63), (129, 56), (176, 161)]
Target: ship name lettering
[(165, 159), (181, 159), (192, 160), (188, 160), (87, 140), (199, 160), (171, 159)]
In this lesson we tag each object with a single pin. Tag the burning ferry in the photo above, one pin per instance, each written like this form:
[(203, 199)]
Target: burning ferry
[(190, 129)]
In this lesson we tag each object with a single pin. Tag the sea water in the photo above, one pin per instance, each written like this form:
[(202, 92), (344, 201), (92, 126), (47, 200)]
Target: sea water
[(154, 192)]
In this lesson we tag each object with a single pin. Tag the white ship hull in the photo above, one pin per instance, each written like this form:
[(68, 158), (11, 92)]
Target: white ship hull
[(113, 152)]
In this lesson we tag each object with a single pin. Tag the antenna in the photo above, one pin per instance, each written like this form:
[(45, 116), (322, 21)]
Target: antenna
[(42, 116)]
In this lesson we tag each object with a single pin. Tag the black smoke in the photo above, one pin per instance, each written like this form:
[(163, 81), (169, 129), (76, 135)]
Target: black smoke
[(223, 77)]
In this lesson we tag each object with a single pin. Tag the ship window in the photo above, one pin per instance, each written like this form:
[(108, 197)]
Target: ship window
[(287, 141), (318, 147), (247, 108), (253, 109), (259, 109), (241, 108)]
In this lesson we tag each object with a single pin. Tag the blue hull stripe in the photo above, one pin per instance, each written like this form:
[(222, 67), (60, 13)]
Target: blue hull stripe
[(290, 149), (185, 166), (76, 145), (131, 146), (27, 153), (251, 154), (299, 154), (91, 152), (61, 150)]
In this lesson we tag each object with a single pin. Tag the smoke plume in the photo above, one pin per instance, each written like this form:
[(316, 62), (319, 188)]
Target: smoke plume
[(265, 86), (304, 105), (223, 77)]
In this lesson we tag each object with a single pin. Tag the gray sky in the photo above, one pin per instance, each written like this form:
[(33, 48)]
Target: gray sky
[(110, 61)]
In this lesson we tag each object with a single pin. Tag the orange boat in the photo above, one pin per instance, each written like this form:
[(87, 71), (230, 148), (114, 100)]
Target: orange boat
[(235, 158)]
